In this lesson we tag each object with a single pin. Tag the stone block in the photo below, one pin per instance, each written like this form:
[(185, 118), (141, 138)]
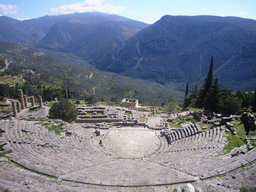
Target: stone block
[(188, 188), (177, 189)]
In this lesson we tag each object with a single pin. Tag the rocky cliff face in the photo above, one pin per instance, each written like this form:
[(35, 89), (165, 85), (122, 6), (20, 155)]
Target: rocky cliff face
[(179, 48)]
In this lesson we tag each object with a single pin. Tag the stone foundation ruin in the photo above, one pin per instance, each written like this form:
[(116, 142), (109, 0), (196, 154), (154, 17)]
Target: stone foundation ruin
[(17, 106)]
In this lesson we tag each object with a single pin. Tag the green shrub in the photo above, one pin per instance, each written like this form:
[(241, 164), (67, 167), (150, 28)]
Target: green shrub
[(63, 110), (231, 106), (91, 99)]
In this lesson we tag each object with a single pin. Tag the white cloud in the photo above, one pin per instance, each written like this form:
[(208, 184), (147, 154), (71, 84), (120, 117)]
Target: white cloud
[(22, 19), (88, 6), (242, 13), (8, 9)]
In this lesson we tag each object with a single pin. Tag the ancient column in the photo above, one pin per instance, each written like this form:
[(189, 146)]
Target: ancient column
[(32, 101), (14, 109), (18, 107), (25, 100), (21, 99), (40, 101)]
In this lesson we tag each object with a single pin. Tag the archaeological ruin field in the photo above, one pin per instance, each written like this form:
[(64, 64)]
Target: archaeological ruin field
[(121, 149)]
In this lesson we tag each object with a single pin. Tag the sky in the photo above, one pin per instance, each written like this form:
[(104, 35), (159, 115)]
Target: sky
[(148, 11)]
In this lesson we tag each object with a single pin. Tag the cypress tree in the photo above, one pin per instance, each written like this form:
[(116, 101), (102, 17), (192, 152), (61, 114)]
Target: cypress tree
[(206, 87), (195, 92), (214, 98), (254, 102), (186, 99), (186, 93)]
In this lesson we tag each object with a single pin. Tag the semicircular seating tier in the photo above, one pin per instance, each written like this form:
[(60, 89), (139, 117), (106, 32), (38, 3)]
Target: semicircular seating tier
[(76, 158)]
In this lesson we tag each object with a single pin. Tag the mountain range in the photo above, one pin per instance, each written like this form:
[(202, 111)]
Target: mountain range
[(175, 49)]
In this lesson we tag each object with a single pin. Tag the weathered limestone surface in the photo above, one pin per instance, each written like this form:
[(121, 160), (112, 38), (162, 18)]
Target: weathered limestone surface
[(131, 142), (127, 157), (127, 172)]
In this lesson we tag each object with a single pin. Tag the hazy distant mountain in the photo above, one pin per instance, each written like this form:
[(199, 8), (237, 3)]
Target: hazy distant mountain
[(174, 49), (57, 31), (179, 48), (9, 32), (88, 35)]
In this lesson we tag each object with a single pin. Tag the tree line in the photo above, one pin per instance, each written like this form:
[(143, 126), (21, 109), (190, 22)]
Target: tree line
[(213, 99)]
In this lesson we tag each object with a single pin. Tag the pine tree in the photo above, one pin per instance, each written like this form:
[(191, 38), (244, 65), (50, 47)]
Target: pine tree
[(206, 87)]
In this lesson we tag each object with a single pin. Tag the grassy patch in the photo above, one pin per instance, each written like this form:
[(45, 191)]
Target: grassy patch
[(91, 113), (252, 133), (5, 109), (102, 102), (247, 189), (50, 104), (7, 190), (235, 140), (11, 80), (143, 119), (127, 112), (40, 119), (181, 120), (56, 129), (31, 111), (4, 155)]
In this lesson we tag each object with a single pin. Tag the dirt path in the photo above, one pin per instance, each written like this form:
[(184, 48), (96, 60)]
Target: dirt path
[(6, 65)]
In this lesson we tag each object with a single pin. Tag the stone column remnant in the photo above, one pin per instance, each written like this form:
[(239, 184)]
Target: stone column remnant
[(25, 100), (14, 109), (21, 99), (40, 101), (18, 107), (32, 101)]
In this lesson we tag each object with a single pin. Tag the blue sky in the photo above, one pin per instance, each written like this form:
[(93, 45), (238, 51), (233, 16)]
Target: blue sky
[(148, 11)]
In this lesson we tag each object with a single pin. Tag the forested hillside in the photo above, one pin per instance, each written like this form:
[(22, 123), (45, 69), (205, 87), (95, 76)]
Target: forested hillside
[(51, 74)]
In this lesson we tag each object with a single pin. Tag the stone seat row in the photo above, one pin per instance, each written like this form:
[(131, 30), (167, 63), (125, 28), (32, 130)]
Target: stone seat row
[(205, 159), (33, 135), (205, 139), (71, 153), (18, 179), (52, 159), (199, 146), (187, 131)]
